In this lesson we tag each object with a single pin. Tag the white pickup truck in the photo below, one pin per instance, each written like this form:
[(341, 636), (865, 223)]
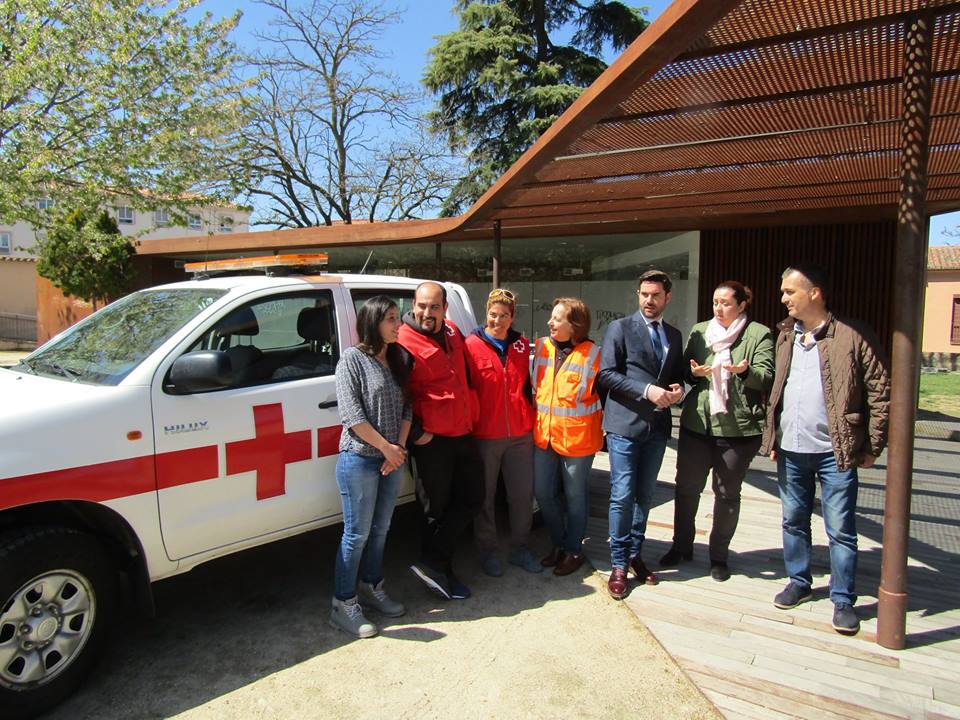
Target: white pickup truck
[(176, 425)]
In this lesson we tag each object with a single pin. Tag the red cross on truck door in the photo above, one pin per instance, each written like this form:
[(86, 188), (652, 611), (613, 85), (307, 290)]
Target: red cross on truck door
[(255, 459), (269, 453)]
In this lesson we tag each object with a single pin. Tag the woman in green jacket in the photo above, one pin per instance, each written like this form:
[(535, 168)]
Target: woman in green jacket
[(730, 371)]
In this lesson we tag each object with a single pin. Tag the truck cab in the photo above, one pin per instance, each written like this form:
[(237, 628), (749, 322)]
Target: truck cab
[(178, 424)]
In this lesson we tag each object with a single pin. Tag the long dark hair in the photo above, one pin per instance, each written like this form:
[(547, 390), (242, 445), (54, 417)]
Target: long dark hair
[(369, 317)]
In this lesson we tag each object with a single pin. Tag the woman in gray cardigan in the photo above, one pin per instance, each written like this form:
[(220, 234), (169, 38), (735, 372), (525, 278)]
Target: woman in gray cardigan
[(731, 371), (376, 421)]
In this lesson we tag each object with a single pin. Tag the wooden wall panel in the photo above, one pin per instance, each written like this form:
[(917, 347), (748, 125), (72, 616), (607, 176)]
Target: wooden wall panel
[(859, 259)]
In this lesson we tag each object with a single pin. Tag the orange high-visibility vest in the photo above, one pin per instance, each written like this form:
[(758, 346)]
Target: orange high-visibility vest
[(569, 416)]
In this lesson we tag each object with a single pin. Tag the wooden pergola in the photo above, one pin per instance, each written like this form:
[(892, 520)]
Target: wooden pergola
[(735, 114)]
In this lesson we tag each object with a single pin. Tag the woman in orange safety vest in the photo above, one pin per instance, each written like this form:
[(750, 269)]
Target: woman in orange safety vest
[(567, 430)]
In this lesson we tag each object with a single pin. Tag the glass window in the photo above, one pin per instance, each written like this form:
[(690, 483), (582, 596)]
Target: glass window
[(194, 222), (403, 298), (600, 269), (161, 217), (277, 338), (5, 243), (125, 215), (955, 326), (104, 348), (470, 264), (226, 223), (44, 203), (413, 260)]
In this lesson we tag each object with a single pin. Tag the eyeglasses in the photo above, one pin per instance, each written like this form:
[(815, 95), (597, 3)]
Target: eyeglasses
[(500, 292)]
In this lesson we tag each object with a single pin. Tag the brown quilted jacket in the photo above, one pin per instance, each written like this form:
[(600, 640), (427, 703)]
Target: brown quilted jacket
[(856, 388)]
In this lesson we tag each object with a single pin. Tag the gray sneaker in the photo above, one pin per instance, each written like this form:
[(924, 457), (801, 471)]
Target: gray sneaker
[(347, 615), (792, 595), (374, 597), (523, 558), (845, 620)]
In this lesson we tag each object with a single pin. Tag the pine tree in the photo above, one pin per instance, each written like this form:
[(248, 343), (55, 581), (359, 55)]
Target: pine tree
[(504, 76), (87, 257)]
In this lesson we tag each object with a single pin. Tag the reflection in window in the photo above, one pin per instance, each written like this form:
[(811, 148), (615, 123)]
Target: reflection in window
[(403, 298), (105, 347), (284, 337)]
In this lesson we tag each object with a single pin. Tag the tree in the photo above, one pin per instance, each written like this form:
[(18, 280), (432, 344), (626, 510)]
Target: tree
[(107, 98), (87, 257), (502, 79), (332, 136)]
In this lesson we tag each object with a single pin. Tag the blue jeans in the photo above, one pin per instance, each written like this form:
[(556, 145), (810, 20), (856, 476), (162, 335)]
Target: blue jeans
[(797, 473), (634, 466), (368, 500), (550, 469)]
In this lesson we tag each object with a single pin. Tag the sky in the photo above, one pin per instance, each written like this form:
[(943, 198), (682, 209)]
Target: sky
[(406, 47)]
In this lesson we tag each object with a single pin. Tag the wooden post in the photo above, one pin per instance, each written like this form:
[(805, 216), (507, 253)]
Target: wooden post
[(908, 288), (496, 254)]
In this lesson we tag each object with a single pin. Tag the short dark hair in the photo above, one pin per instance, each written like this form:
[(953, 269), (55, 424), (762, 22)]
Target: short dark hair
[(815, 275), (443, 290), (655, 276)]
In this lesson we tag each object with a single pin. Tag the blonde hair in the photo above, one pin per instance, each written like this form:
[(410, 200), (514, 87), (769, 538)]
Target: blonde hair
[(499, 298)]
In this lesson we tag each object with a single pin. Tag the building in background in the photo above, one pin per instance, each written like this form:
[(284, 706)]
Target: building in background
[(941, 313), (18, 241)]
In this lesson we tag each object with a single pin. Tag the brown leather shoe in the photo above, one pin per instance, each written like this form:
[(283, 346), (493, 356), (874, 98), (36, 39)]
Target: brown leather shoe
[(617, 584), (568, 564), (642, 573), (555, 556)]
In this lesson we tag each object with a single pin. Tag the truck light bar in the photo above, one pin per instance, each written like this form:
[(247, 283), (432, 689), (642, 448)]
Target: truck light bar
[(257, 263)]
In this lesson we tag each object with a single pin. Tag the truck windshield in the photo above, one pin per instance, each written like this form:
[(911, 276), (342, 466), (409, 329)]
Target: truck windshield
[(107, 346)]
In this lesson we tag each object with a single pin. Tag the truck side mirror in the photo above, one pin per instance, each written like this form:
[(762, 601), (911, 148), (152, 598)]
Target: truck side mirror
[(199, 372)]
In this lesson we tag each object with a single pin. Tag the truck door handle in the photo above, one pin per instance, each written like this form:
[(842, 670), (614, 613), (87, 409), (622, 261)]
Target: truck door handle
[(325, 405)]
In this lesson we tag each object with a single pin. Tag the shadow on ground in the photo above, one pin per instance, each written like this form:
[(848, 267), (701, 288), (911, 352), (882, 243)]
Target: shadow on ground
[(233, 621)]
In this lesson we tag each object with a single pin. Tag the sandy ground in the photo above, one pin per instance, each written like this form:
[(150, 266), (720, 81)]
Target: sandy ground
[(247, 637)]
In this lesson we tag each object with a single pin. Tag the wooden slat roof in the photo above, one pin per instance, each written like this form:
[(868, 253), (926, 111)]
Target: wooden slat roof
[(721, 114)]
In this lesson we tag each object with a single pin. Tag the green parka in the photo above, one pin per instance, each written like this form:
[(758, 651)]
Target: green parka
[(747, 392)]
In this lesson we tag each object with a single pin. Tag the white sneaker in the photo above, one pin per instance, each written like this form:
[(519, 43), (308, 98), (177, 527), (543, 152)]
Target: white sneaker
[(374, 597), (347, 615)]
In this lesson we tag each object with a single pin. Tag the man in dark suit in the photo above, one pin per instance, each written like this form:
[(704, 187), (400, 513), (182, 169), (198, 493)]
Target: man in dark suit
[(641, 369)]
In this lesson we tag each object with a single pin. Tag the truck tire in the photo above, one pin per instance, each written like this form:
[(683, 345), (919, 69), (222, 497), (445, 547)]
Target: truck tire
[(58, 593)]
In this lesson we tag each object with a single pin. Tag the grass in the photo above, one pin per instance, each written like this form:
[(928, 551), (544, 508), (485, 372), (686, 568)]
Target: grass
[(940, 392)]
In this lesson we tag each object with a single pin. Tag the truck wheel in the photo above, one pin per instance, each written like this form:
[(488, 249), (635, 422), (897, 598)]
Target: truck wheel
[(57, 595)]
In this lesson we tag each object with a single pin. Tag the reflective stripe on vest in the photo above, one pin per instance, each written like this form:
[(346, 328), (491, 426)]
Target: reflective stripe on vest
[(587, 373), (580, 410)]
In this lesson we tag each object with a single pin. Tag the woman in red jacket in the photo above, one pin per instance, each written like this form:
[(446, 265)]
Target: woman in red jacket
[(498, 360)]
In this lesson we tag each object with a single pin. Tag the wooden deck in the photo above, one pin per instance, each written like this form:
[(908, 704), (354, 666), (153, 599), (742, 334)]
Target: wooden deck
[(755, 661)]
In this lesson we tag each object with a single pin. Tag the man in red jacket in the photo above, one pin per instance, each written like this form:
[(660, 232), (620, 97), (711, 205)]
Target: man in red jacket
[(448, 465)]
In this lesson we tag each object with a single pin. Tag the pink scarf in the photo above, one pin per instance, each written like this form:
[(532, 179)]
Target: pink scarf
[(720, 339)]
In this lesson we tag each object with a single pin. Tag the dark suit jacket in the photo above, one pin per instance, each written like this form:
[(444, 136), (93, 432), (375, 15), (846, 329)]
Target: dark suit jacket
[(627, 365)]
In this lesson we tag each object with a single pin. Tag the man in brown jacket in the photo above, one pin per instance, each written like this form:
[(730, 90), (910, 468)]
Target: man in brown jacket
[(827, 416)]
